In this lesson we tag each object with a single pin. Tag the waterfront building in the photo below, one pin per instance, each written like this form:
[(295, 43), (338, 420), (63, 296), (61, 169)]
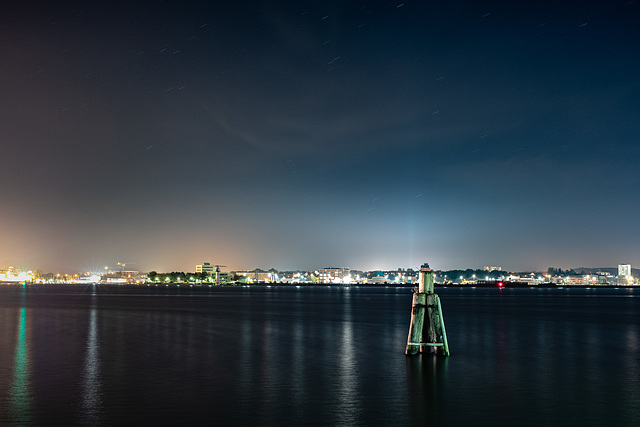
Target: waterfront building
[(257, 275), (387, 277), (624, 274), (378, 277), (224, 277), (334, 275), (89, 278), (205, 267), (119, 277), (578, 280), (624, 269), (295, 277), (15, 275), (530, 280), (377, 280), (574, 280)]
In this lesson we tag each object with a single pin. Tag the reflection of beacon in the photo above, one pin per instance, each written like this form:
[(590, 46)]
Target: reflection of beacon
[(426, 331)]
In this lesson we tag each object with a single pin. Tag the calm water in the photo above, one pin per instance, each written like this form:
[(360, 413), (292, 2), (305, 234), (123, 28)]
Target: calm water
[(316, 356)]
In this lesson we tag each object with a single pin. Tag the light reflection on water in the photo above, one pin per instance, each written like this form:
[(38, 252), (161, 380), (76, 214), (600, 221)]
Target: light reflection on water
[(426, 378), (349, 409), (19, 399), (322, 356), (91, 396), (557, 356)]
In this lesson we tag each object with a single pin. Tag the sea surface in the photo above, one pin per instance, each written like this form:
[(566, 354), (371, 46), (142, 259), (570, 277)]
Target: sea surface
[(327, 356)]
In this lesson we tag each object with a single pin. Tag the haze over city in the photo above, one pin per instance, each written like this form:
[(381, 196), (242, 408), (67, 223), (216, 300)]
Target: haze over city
[(299, 135)]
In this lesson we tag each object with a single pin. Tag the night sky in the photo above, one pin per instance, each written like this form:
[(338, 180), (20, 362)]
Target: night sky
[(308, 134)]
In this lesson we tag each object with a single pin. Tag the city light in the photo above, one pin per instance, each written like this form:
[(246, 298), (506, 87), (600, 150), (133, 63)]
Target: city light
[(331, 275), (15, 275)]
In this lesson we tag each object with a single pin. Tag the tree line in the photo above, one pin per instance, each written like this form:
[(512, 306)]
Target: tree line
[(180, 276)]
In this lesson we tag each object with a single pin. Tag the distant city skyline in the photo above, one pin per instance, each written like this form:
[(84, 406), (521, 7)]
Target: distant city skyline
[(212, 275), (302, 134), (209, 267)]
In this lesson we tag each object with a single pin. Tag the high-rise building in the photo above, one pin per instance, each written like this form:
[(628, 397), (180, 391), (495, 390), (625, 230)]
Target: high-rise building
[(624, 269)]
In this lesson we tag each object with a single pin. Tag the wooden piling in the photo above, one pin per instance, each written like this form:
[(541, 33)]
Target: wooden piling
[(426, 334), (417, 323)]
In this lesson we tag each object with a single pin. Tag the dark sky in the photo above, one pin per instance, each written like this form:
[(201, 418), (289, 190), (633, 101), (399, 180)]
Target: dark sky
[(308, 134)]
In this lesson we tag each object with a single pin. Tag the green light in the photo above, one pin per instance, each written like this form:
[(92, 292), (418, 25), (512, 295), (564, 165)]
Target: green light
[(19, 394)]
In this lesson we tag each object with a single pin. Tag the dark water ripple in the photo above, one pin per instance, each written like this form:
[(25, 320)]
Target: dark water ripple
[(315, 356)]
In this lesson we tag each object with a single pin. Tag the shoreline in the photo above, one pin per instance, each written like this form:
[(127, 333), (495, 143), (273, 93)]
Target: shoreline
[(496, 285)]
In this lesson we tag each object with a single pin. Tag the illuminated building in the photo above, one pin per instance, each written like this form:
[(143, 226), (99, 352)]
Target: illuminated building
[(378, 280), (15, 275), (334, 275), (205, 267), (224, 277), (624, 269), (122, 277), (257, 275), (624, 274)]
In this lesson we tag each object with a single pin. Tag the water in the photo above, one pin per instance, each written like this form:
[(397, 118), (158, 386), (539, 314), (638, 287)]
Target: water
[(78, 355)]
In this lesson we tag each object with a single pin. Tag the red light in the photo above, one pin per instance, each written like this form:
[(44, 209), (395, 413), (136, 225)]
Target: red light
[(500, 284)]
